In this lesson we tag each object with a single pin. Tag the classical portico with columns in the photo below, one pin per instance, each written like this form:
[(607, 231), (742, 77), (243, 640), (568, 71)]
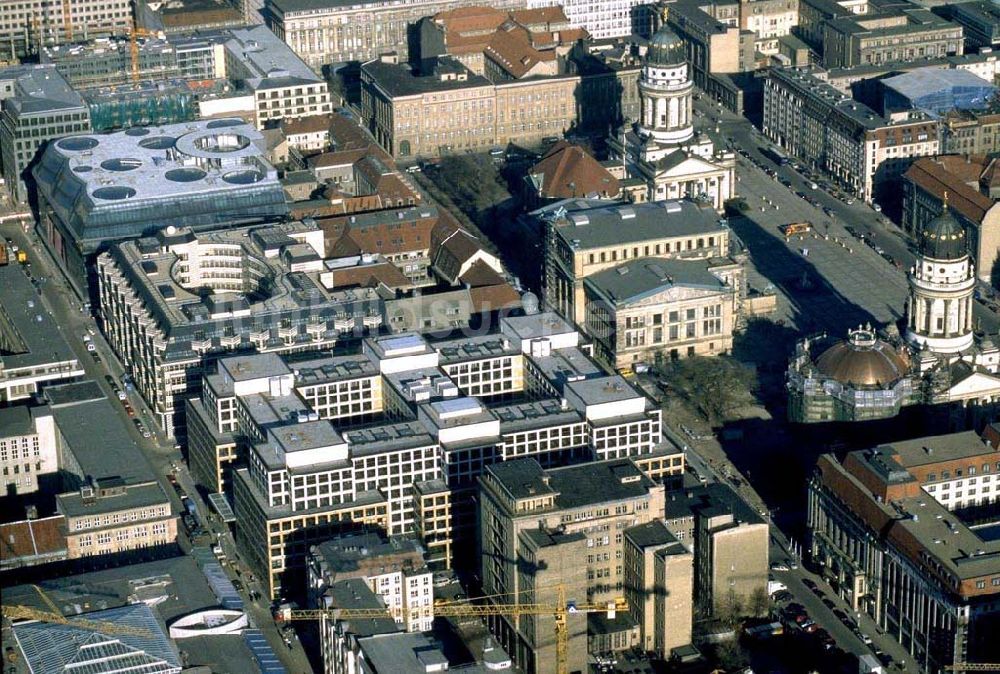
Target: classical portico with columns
[(661, 155)]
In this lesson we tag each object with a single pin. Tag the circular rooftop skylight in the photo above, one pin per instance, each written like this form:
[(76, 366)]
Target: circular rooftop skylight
[(157, 143), (121, 164), (222, 142), (244, 177), (137, 131), (114, 192), (78, 143), (223, 123), (185, 175)]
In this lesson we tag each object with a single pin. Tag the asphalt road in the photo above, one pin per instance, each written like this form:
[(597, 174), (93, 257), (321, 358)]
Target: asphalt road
[(62, 302)]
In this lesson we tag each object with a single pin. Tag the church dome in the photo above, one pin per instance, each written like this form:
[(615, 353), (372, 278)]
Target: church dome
[(863, 360), (943, 238), (665, 49)]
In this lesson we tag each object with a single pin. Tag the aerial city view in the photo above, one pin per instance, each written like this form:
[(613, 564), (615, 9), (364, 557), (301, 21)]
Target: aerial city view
[(517, 337)]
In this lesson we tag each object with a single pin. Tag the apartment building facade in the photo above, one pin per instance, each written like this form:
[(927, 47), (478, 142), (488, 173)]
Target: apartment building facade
[(880, 538), (327, 31), (970, 132), (860, 149), (29, 25), (905, 35)]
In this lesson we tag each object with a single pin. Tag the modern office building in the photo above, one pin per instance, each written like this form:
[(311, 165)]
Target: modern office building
[(659, 586), (282, 85), (328, 31), (265, 294), (586, 236), (105, 62), (661, 151), (967, 184), (95, 190), (856, 146), (651, 308), (36, 105), (898, 35), (33, 350), (414, 423), (28, 26), (893, 551), (560, 528), (393, 568)]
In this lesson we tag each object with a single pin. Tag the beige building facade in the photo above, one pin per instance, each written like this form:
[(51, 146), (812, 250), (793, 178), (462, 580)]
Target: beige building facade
[(109, 518), (731, 560), (650, 309), (452, 109), (595, 236), (574, 517)]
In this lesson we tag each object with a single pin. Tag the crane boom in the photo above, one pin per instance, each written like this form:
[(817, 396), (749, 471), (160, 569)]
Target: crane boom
[(973, 667), (27, 613), (559, 611)]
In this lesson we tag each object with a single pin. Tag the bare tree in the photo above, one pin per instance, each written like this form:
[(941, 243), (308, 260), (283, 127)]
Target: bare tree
[(715, 386), (760, 603)]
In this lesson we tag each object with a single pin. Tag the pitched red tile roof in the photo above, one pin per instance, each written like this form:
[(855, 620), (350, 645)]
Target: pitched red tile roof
[(511, 49), (481, 274), (310, 124), (368, 276), (25, 539), (952, 174), (387, 235), (494, 298), (568, 171)]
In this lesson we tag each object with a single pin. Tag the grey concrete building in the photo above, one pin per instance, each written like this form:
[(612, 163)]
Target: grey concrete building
[(93, 190), (906, 35), (38, 105)]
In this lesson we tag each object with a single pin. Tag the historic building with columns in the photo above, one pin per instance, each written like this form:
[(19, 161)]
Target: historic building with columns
[(937, 358), (661, 155)]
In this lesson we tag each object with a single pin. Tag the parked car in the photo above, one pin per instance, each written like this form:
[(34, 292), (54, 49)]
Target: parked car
[(779, 566)]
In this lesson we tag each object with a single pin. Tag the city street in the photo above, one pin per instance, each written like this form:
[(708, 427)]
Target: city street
[(161, 452), (829, 279)]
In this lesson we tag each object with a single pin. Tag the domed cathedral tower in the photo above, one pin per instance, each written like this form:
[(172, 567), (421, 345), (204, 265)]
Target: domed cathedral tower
[(665, 92), (661, 156), (942, 281)]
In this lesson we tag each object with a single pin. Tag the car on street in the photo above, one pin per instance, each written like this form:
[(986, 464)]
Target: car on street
[(779, 566), (238, 584), (111, 380), (865, 639)]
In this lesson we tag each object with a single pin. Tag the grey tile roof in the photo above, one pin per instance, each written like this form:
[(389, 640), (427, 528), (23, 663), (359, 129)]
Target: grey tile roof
[(644, 277)]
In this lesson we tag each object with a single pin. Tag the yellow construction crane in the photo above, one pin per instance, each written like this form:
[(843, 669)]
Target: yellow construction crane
[(973, 667), (27, 613), (133, 37), (560, 611), (54, 615)]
